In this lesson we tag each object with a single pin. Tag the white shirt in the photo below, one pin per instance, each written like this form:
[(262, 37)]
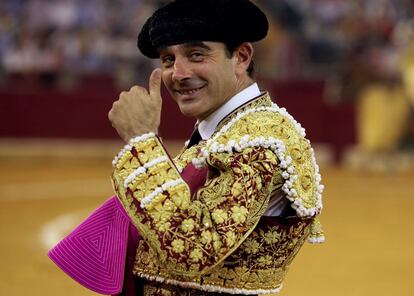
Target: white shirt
[(207, 126)]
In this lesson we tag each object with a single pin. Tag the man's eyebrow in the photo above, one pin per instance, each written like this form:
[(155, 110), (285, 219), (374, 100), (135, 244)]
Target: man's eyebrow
[(197, 44), (187, 45)]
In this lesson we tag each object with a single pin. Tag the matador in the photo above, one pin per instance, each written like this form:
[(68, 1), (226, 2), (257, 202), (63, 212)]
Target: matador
[(231, 211)]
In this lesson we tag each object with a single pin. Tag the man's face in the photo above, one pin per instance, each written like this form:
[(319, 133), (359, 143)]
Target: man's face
[(199, 76)]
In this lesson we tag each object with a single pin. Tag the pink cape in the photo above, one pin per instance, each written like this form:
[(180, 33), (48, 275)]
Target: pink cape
[(94, 253)]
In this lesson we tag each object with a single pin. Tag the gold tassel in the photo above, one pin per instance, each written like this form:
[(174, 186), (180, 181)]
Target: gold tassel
[(316, 232)]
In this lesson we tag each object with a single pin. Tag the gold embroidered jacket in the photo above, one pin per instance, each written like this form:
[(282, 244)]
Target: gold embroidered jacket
[(201, 214)]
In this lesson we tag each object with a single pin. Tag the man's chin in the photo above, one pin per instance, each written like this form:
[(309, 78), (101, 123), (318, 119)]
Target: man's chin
[(189, 108), (188, 113), (191, 111)]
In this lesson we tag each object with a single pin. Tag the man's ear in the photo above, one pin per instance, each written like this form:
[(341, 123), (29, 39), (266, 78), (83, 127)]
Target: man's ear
[(243, 55)]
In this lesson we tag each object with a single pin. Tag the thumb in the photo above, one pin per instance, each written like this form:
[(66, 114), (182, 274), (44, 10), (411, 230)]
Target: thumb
[(155, 83)]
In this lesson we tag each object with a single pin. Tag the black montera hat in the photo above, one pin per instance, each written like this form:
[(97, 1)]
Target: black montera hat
[(228, 21)]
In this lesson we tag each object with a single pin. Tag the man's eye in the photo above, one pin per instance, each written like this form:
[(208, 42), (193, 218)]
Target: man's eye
[(167, 61), (197, 56)]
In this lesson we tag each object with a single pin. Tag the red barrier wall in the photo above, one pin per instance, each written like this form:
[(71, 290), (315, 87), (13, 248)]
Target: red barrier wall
[(33, 110)]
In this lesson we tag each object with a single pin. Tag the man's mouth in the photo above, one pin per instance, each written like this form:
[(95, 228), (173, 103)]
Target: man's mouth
[(189, 91)]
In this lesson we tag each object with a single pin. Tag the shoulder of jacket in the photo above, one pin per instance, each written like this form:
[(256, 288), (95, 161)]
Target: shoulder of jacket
[(275, 129)]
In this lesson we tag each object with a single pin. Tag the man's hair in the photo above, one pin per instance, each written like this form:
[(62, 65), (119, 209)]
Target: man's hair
[(230, 49)]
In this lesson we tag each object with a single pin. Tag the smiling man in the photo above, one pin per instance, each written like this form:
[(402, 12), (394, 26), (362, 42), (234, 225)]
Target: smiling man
[(202, 76), (231, 211)]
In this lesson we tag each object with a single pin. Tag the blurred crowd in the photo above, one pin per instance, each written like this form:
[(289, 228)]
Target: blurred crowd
[(307, 39), (321, 38), (68, 38)]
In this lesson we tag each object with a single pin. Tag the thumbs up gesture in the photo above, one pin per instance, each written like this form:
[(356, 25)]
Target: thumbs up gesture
[(138, 111)]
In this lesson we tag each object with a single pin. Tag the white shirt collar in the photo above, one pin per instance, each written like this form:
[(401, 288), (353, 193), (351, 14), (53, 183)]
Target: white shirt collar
[(207, 126)]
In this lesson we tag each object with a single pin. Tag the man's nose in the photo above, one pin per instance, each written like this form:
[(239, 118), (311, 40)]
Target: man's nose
[(181, 70)]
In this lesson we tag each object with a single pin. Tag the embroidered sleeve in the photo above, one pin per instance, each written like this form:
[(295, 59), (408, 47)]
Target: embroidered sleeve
[(192, 234), (274, 129)]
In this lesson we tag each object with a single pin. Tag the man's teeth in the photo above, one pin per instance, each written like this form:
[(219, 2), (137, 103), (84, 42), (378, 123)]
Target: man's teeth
[(189, 92)]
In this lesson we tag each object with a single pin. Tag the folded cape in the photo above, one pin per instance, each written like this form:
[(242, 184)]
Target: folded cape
[(94, 253)]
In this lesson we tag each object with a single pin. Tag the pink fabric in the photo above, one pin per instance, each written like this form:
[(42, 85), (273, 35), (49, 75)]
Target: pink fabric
[(94, 253)]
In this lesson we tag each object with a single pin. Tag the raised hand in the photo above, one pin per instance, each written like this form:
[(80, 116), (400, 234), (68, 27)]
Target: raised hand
[(138, 111)]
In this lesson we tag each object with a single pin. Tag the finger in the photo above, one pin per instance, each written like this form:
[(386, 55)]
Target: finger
[(122, 94), (155, 83)]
